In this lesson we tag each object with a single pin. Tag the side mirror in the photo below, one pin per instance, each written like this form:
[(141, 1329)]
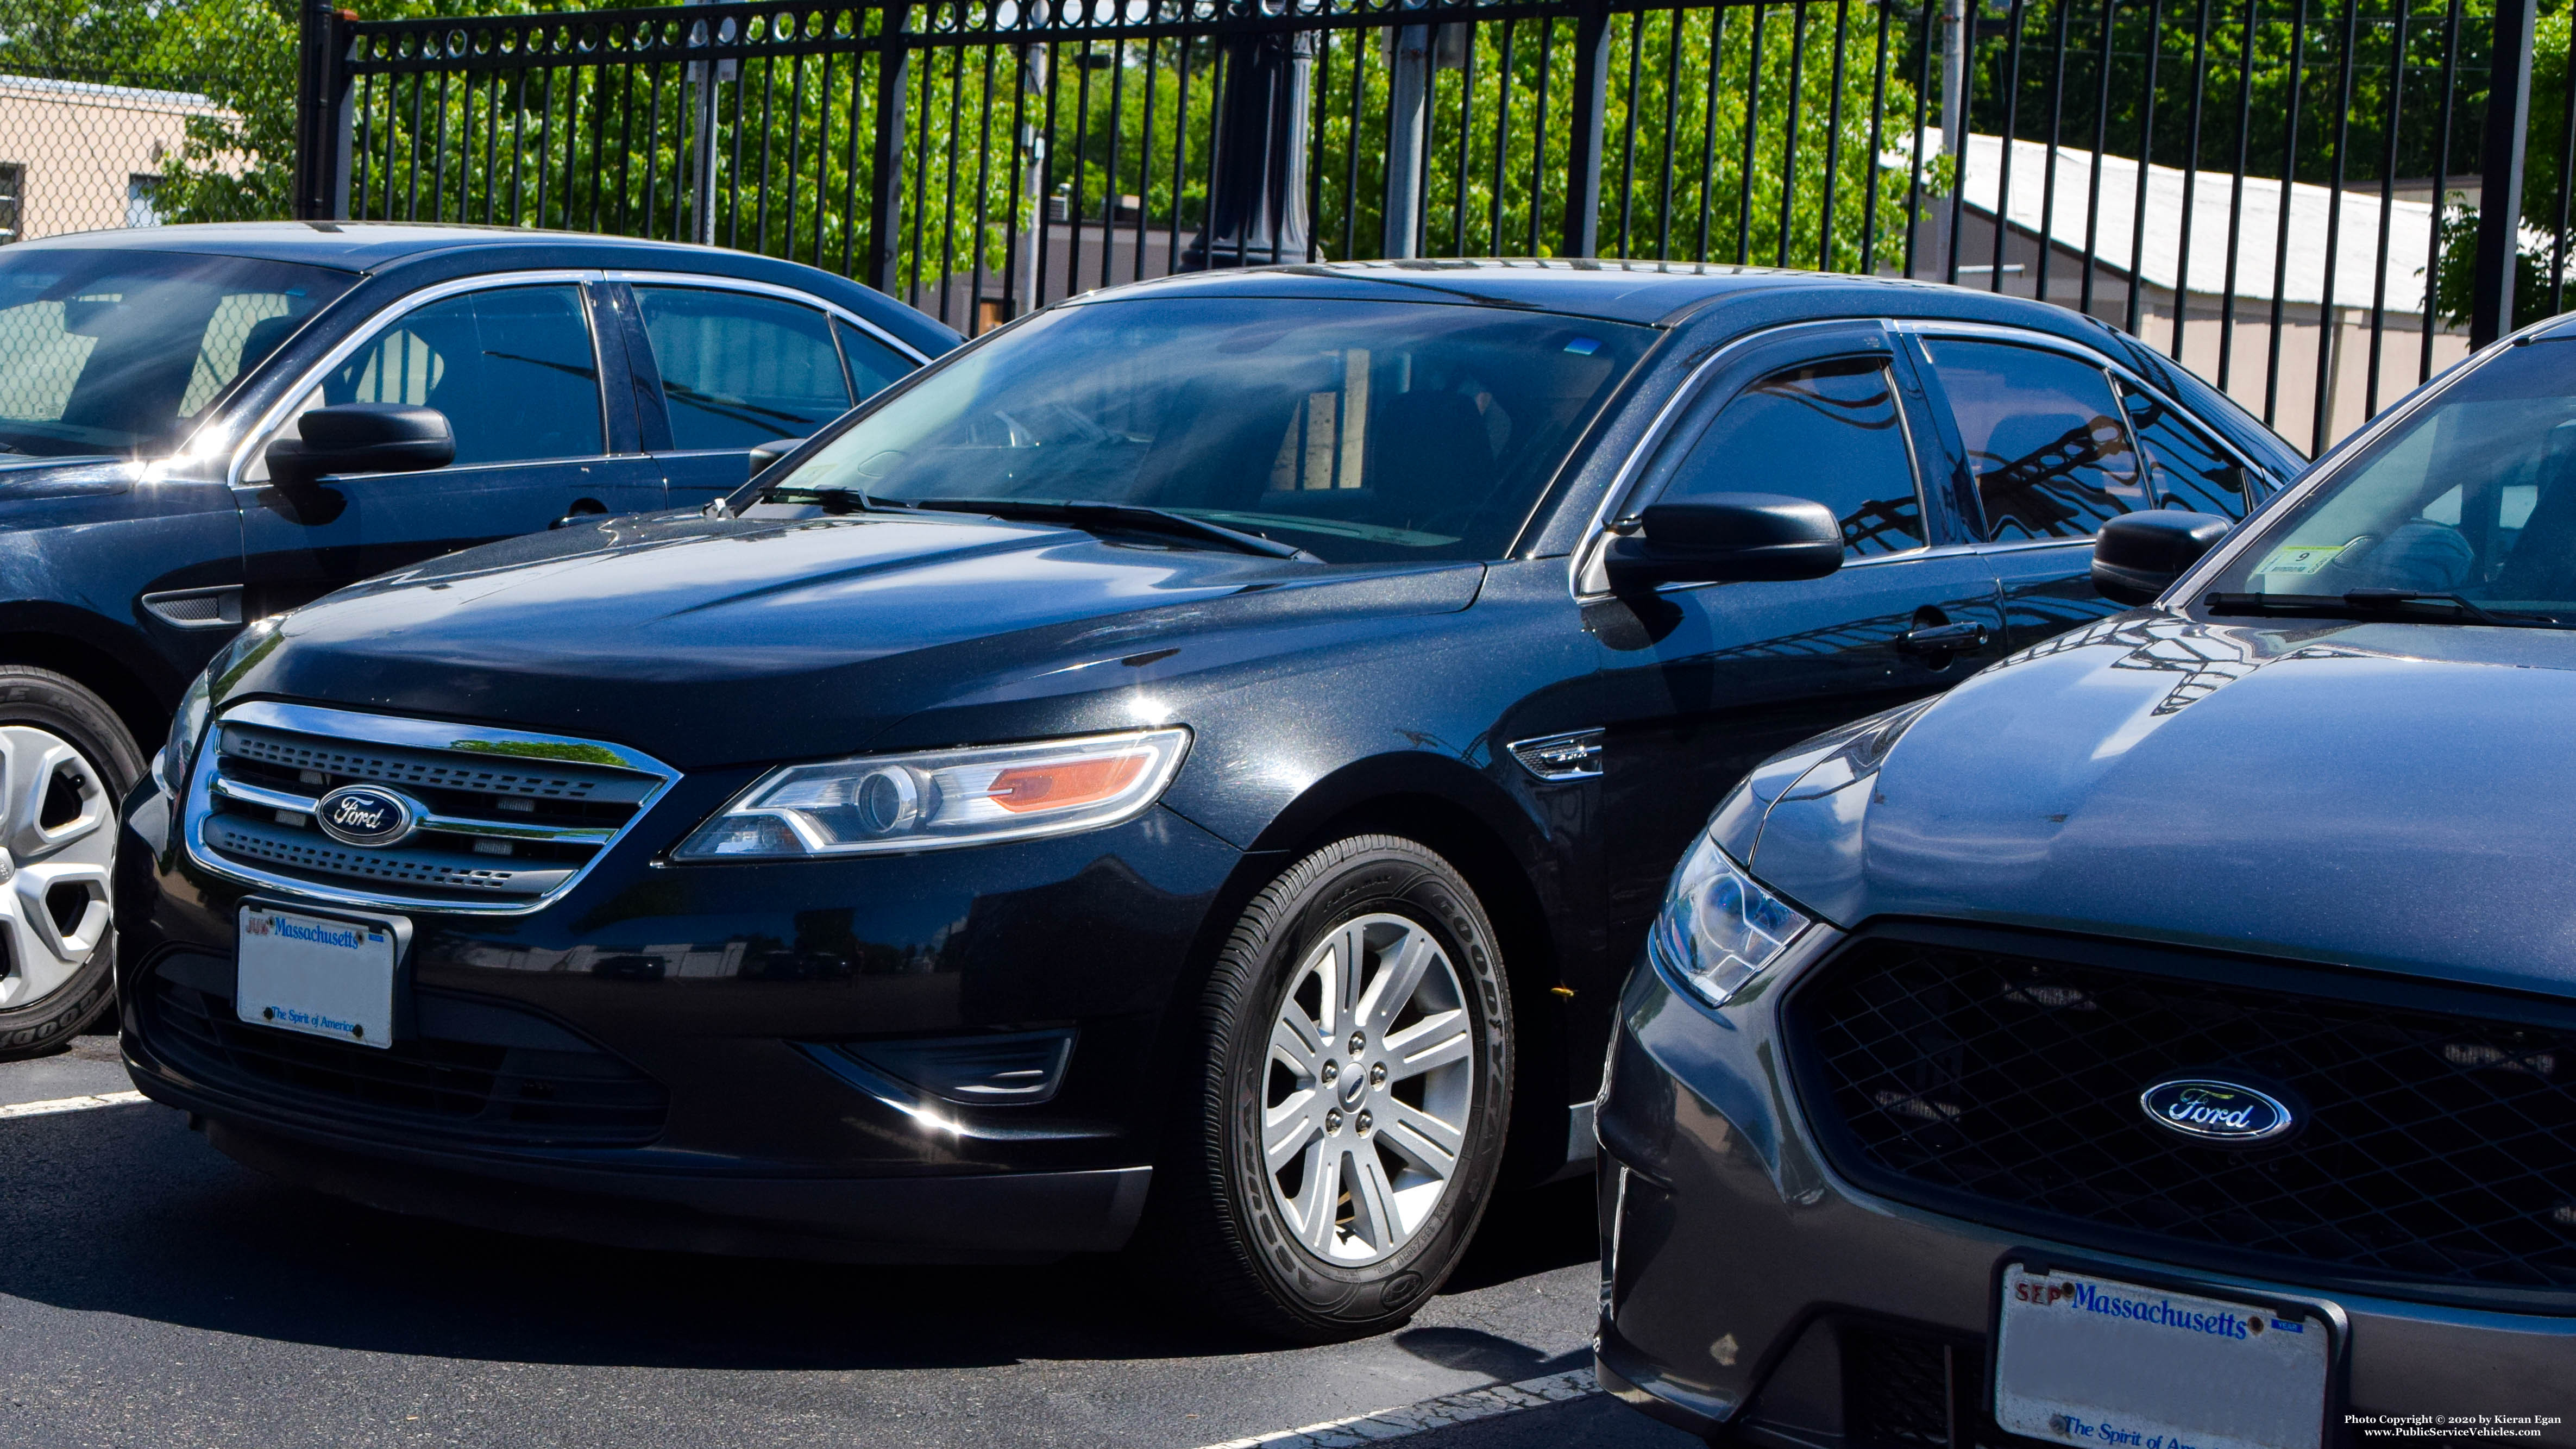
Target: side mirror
[(1727, 538), (771, 451), (2137, 556), (361, 438)]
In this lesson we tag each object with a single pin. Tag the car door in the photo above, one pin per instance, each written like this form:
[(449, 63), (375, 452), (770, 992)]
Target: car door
[(1701, 682), (516, 368), (728, 368), (2054, 442)]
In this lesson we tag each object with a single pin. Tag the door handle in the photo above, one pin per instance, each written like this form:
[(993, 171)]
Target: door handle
[(1942, 639)]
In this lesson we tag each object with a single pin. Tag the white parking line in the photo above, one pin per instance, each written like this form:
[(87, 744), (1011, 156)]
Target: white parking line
[(72, 1104), (1430, 1414)]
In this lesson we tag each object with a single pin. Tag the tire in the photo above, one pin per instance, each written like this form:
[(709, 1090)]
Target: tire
[(66, 763), (1357, 1227)]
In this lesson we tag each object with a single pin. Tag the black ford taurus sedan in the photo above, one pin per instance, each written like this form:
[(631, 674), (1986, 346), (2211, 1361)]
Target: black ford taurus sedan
[(1225, 735), (434, 387), (2167, 1036)]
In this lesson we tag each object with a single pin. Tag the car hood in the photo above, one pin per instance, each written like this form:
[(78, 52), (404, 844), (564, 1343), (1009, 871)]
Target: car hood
[(2390, 796), (720, 641)]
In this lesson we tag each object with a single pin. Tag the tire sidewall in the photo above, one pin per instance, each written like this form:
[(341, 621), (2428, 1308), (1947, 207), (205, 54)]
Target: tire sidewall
[(1393, 878), (60, 706)]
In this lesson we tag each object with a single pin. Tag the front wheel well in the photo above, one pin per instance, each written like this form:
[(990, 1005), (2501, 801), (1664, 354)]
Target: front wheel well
[(142, 713)]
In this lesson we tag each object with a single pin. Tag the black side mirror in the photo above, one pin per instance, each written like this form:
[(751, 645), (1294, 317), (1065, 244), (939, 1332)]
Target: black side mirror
[(361, 438), (1727, 538), (2137, 556), (771, 451)]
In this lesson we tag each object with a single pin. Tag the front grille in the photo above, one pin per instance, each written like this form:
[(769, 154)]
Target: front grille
[(565, 1093), (2437, 1146), (508, 820)]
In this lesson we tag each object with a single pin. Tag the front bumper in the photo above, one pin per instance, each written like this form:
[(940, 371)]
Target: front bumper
[(654, 1059), (1748, 1289)]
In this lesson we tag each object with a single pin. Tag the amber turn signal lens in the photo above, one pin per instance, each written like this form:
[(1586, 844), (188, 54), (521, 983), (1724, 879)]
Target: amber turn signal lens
[(1060, 786)]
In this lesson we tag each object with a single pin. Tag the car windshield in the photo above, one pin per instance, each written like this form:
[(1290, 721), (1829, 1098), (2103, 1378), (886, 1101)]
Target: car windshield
[(2472, 497), (122, 352), (1360, 432)]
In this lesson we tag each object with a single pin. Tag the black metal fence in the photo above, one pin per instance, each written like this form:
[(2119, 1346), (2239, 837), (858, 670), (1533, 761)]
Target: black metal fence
[(2314, 204)]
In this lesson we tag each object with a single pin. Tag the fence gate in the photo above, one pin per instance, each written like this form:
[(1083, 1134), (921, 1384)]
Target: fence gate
[(2314, 205)]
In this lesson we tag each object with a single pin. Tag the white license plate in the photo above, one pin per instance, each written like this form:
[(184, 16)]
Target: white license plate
[(323, 975), (2094, 1361)]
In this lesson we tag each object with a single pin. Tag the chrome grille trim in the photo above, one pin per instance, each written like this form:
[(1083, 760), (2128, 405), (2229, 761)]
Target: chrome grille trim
[(233, 826)]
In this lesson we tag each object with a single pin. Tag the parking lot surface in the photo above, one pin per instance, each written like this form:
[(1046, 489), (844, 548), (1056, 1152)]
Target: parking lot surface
[(154, 1293)]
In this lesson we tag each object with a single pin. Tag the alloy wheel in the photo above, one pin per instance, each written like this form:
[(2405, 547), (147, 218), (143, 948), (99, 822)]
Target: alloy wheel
[(57, 842), (1368, 1091)]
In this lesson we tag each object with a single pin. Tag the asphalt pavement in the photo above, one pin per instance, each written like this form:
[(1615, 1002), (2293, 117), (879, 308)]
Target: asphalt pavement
[(154, 1293)]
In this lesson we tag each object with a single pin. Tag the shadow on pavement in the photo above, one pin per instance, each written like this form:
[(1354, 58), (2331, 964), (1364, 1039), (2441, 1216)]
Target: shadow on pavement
[(144, 1220)]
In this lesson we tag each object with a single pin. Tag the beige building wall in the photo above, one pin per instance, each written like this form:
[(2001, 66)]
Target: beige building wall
[(73, 151)]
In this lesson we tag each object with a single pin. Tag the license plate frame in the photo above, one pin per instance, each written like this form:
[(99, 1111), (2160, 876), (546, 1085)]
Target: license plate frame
[(2324, 1339), (321, 972)]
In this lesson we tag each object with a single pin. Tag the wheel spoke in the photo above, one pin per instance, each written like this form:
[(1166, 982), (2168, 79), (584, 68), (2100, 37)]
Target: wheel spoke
[(1321, 1200), (1342, 999), (1422, 1139), (1397, 980), (1296, 1041), (1373, 1202), (1434, 1041), (1287, 1128)]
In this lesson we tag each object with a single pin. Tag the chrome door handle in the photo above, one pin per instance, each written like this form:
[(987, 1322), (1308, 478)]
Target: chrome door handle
[(1942, 639)]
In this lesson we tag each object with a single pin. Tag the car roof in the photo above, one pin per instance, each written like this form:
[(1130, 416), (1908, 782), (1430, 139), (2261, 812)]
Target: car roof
[(1648, 293), (353, 246), (424, 252)]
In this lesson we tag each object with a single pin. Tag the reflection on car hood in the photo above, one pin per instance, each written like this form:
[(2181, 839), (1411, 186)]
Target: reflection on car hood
[(707, 641), (2387, 795)]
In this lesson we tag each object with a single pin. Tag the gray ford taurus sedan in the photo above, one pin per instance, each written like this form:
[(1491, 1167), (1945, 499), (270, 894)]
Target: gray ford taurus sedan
[(2168, 1037)]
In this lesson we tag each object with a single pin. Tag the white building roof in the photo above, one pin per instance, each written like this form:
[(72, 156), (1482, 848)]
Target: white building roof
[(86, 93), (2065, 217)]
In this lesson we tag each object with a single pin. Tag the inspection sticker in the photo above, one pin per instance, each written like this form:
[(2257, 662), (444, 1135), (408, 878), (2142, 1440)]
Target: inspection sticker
[(2300, 558), (2098, 1362)]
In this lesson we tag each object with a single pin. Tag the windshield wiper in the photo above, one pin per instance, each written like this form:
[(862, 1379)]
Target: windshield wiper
[(2380, 604), (1127, 517)]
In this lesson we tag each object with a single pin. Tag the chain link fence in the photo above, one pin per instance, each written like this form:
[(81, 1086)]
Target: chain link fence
[(86, 154)]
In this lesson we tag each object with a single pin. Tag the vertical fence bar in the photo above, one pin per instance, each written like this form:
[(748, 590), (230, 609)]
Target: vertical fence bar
[(1752, 110), (2012, 132), (2442, 182), (2500, 162), (2387, 209), (2146, 165), (885, 157), (1789, 129), (1587, 116), (2101, 141), (2056, 130), (2329, 328), (1833, 138), (2191, 179), (2236, 191), (2281, 247)]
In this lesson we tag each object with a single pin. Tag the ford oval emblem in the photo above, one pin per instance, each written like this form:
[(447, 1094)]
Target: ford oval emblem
[(2216, 1111), (368, 816)]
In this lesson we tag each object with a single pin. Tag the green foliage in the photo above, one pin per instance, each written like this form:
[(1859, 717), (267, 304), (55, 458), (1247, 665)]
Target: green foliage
[(2545, 207)]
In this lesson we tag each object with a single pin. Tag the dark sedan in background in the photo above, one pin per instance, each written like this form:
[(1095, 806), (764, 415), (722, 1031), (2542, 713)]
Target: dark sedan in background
[(206, 424), (2169, 1035), (1226, 735)]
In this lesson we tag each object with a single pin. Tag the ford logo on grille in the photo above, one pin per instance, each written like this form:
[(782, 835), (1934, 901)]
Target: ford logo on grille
[(2216, 1111), (367, 816)]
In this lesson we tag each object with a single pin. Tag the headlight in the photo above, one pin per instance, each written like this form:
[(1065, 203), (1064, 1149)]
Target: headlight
[(1719, 928), (188, 725), (942, 798)]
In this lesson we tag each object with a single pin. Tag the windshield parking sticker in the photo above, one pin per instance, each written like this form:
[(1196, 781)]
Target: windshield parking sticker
[(2297, 558)]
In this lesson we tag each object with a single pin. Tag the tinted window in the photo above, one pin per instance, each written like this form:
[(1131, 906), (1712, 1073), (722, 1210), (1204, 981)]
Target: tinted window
[(2044, 438), (1834, 433), (873, 365), (511, 368), (738, 370), (2186, 468), (1359, 431), (122, 352), (2474, 494)]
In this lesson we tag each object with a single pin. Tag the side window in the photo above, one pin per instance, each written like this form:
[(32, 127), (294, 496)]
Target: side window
[(738, 370), (2044, 438), (1833, 432), (2186, 468), (873, 366), (512, 368)]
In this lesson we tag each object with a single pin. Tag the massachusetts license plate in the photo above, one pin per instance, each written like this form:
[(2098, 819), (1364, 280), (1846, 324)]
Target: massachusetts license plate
[(2086, 1360), (327, 976)]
